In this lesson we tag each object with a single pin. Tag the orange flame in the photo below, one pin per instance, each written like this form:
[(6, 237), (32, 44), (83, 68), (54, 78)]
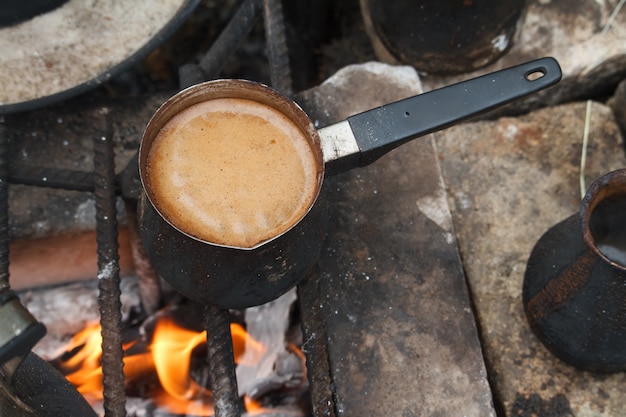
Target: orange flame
[(168, 355)]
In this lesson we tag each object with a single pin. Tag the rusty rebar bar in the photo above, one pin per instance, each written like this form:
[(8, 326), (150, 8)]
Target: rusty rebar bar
[(4, 209), (38, 176), (231, 37), (221, 361), (314, 346), (277, 52), (108, 273), (223, 47)]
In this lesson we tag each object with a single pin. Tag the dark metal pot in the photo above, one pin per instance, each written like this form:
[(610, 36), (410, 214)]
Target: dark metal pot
[(574, 288), (445, 37), (231, 277)]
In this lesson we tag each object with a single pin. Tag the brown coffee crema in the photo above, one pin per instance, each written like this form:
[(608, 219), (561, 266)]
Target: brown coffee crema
[(232, 172)]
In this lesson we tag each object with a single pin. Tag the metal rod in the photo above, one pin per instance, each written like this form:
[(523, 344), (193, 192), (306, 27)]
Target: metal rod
[(231, 37), (20, 330), (277, 51), (314, 346), (65, 179), (221, 361), (4, 209), (108, 274), (222, 49)]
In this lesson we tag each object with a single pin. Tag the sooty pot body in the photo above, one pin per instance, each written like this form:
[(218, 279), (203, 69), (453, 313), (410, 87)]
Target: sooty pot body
[(228, 277), (574, 294)]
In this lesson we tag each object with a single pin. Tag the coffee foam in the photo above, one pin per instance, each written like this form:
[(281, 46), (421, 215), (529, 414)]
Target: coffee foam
[(232, 172)]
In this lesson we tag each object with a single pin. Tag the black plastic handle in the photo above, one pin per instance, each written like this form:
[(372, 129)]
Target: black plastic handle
[(382, 129)]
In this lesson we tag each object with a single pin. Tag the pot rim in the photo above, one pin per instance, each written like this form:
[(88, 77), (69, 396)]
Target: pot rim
[(230, 88), (608, 185)]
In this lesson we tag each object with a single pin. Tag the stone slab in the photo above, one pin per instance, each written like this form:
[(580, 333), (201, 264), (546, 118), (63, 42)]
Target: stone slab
[(402, 338), (508, 182)]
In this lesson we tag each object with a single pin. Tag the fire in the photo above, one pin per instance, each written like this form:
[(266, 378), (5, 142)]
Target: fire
[(88, 379), (168, 356)]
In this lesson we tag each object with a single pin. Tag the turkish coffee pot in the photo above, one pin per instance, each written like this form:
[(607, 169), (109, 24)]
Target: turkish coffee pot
[(239, 277)]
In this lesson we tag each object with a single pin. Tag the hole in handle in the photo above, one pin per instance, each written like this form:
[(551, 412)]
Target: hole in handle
[(536, 74)]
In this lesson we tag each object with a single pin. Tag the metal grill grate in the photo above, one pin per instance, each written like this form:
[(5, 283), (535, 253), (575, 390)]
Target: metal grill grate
[(107, 187)]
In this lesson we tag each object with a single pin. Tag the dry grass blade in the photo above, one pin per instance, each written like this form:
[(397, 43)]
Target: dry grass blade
[(613, 16), (583, 157)]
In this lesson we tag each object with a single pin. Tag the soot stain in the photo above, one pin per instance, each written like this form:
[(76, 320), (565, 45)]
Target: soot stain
[(532, 405)]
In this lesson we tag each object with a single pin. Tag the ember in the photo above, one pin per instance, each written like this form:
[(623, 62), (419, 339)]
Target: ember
[(159, 367)]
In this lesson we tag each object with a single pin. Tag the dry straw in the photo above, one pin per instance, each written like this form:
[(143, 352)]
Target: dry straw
[(583, 156)]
